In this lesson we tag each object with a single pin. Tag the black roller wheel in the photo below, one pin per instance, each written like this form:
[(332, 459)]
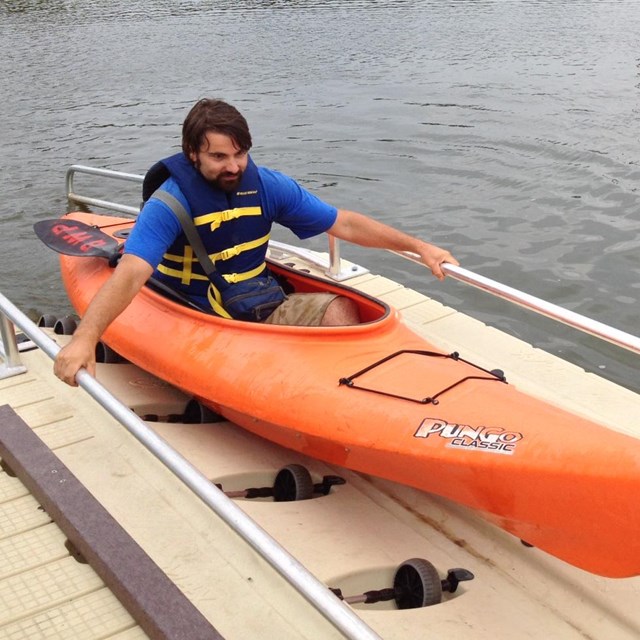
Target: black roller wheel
[(196, 413), (106, 355), (47, 320), (293, 482), (65, 326), (417, 584)]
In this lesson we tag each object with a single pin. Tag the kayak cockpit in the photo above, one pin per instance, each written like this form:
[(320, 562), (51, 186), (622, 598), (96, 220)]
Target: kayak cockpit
[(370, 309)]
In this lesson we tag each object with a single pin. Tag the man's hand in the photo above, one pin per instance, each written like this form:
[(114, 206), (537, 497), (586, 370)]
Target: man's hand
[(433, 257), (110, 301), (80, 352)]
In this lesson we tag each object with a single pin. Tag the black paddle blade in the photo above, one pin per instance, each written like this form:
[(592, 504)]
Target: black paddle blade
[(73, 238)]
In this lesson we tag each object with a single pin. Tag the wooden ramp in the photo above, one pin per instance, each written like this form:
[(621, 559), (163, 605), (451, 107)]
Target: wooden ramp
[(94, 537), (353, 538)]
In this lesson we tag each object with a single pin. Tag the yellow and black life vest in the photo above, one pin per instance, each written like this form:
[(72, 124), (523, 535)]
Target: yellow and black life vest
[(232, 227)]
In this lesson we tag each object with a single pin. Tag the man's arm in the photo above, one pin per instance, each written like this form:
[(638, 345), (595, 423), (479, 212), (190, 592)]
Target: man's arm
[(360, 229), (110, 301)]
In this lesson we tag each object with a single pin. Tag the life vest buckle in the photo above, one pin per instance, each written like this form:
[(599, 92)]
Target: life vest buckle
[(224, 216), (228, 253)]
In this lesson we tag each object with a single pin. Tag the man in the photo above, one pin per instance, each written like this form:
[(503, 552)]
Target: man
[(232, 203)]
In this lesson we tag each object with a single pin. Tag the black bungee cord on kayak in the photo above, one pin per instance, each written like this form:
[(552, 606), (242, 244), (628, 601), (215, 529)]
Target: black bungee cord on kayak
[(495, 375)]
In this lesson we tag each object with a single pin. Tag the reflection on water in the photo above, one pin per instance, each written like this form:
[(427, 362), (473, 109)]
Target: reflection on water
[(505, 131)]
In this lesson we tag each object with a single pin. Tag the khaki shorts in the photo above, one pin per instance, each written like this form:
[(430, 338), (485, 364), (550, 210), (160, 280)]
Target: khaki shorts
[(302, 309)]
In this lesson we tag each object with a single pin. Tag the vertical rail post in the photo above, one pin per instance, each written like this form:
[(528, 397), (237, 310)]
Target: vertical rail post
[(334, 256), (12, 365)]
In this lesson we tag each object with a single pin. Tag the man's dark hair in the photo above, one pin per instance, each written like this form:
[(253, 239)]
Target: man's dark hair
[(214, 115)]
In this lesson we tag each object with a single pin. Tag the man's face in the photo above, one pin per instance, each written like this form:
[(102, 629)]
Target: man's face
[(220, 161)]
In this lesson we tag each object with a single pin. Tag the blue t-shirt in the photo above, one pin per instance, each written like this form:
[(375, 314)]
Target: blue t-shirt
[(283, 201)]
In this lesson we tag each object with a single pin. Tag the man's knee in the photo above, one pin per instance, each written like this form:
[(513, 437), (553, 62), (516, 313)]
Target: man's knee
[(341, 311)]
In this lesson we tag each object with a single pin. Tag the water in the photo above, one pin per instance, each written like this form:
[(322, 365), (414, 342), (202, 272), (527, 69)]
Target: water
[(506, 131)]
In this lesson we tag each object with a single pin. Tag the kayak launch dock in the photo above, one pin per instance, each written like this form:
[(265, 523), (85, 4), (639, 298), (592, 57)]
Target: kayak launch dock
[(111, 524), (201, 567)]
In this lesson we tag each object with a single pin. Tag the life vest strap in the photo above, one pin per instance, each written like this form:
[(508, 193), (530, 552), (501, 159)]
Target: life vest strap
[(217, 218), (231, 252), (180, 274), (215, 300), (232, 278)]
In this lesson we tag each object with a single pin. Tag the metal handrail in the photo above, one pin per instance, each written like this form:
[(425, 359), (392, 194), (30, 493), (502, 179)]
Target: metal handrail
[(334, 270), (542, 307), (315, 592), (105, 173)]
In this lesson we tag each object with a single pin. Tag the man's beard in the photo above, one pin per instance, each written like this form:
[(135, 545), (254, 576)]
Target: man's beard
[(227, 185)]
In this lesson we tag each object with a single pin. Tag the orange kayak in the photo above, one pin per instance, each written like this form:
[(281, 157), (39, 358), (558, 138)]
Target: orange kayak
[(377, 398)]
